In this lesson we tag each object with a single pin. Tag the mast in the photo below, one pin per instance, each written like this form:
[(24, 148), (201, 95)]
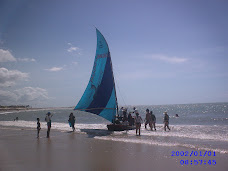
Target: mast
[(114, 86)]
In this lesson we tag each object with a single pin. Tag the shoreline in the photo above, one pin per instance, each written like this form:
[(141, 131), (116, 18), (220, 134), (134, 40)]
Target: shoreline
[(21, 150), (48, 108), (31, 109)]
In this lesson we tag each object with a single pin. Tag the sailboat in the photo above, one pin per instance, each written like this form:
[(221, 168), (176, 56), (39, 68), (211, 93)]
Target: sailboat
[(100, 94)]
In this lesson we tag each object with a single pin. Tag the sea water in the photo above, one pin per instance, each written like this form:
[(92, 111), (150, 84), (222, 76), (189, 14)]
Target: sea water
[(199, 126)]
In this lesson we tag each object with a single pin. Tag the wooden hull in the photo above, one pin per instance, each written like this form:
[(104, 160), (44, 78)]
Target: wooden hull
[(119, 127)]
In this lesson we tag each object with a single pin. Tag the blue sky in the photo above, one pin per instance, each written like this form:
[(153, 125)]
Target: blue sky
[(163, 52)]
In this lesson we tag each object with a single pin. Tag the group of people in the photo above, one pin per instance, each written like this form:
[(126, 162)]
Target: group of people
[(71, 121), (123, 118), (150, 119), (137, 119)]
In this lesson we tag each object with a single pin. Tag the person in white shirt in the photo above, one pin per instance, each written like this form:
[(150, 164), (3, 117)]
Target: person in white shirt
[(138, 121), (121, 112)]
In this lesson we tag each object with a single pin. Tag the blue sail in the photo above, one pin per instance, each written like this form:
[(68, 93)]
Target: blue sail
[(100, 94)]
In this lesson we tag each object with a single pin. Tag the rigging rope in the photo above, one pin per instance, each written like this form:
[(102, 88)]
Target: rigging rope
[(119, 89)]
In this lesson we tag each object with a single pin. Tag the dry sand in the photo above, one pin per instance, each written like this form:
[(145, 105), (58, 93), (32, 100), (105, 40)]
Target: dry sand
[(21, 150)]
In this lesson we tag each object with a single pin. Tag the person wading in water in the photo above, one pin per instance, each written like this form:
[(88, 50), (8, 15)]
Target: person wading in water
[(72, 121), (153, 120), (138, 121), (147, 119), (166, 121), (48, 120)]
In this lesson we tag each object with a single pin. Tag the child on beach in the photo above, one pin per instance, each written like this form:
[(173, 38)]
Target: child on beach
[(38, 127)]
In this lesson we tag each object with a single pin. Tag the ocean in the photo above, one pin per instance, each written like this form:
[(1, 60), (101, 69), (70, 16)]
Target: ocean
[(199, 126)]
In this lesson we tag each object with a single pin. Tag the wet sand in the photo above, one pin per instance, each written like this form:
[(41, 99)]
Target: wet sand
[(21, 150)]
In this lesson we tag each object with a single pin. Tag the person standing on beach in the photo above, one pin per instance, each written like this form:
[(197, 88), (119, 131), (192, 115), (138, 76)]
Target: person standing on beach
[(72, 121), (147, 119), (138, 121), (38, 127), (48, 120), (166, 121), (153, 120)]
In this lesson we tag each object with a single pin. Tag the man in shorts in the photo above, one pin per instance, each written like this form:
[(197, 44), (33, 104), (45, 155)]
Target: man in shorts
[(166, 121), (148, 118)]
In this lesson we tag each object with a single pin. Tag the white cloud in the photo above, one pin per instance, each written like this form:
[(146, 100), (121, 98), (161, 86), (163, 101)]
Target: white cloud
[(75, 63), (173, 60), (10, 77), (6, 56), (26, 59), (54, 69), (72, 48), (26, 95), (7, 97)]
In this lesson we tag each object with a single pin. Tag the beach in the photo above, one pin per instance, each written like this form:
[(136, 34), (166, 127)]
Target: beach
[(66, 150)]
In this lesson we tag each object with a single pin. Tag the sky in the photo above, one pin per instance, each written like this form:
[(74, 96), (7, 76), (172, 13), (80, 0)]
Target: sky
[(163, 52)]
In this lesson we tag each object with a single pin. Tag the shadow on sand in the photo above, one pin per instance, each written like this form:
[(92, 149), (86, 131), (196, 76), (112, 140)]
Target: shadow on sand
[(96, 132)]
